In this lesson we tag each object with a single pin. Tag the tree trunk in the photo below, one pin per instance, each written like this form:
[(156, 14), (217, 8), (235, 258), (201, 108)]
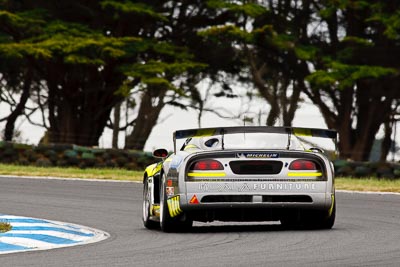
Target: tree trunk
[(387, 141), (291, 108), (19, 109), (80, 103), (80, 128), (117, 117), (150, 107), (273, 114), (357, 121)]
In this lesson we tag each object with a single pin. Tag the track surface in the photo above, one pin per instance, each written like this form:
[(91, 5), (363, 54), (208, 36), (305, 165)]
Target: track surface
[(366, 233)]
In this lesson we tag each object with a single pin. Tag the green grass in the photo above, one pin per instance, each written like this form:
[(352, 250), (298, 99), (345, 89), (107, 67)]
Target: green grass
[(368, 184), (90, 173), (5, 226), (365, 184)]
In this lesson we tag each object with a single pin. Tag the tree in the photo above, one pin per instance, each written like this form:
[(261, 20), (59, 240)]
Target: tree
[(339, 53), (17, 75), (356, 79), (85, 52), (8, 94), (264, 34), (178, 84)]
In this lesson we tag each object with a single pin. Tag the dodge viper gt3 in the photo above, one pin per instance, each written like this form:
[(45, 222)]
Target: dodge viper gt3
[(241, 174)]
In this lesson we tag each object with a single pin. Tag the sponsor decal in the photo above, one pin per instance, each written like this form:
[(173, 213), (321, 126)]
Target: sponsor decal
[(257, 155), (245, 187), (170, 191), (211, 187)]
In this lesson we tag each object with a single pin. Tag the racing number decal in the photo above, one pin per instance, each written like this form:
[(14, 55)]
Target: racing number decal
[(173, 206)]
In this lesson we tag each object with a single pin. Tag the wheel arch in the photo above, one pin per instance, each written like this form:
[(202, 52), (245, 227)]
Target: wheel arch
[(151, 170), (145, 175)]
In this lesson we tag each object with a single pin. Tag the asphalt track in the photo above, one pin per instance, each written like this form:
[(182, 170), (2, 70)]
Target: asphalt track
[(366, 233)]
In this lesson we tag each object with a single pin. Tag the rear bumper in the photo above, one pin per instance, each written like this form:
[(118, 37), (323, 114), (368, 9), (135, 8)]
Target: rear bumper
[(271, 194)]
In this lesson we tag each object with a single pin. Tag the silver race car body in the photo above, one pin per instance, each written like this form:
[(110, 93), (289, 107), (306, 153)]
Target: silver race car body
[(241, 174)]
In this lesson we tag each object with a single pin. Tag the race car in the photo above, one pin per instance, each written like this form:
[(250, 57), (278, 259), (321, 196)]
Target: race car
[(241, 174)]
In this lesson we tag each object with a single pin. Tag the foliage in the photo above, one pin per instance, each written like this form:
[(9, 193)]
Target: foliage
[(337, 52), (346, 75), (93, 48), (132, 8), (73, 156), (5, 226), (77, 60)]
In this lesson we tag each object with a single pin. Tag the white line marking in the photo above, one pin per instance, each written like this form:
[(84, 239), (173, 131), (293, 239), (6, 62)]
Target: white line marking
[(368, 192)]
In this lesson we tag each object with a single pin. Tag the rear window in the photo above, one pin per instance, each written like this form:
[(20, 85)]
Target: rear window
[(247, 141)]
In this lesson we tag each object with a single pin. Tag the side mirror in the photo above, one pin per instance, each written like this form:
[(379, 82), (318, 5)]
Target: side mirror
[(160, 153)]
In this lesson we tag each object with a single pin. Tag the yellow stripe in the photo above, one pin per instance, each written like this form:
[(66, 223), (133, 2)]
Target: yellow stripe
[(178, 208), (206, 174), (170, 208), (204, 132), (191, 147), (303, 174), (302, 132), (174, 205), (331, 208)]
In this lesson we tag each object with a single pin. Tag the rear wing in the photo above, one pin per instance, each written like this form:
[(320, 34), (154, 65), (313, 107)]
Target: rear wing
[(297, 131)]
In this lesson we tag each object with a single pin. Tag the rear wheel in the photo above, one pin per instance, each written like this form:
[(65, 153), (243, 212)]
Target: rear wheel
[(320, 219), (167, 223), (147, 222), (325, 219), (328, 218), (310, 219)]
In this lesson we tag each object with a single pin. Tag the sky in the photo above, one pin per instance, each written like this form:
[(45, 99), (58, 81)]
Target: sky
[(173, 118)]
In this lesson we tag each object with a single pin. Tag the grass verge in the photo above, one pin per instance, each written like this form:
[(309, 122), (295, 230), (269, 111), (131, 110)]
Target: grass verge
[(106, 174), (347, 183), (368, 184)]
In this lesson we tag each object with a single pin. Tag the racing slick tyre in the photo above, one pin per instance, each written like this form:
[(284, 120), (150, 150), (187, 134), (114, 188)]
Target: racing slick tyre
[(147, 222), (311, 219), (323, 219), (167, 223), (327, 219)]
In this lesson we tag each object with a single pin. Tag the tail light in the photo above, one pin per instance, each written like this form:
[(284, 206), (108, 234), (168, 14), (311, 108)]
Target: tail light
[(206, 165), (306, 165)]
